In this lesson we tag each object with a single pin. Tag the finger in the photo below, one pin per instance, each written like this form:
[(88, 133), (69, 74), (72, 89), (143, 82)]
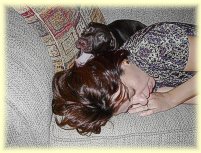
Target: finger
[(138, 109), (147, 113), (136, 106), (152, 96)]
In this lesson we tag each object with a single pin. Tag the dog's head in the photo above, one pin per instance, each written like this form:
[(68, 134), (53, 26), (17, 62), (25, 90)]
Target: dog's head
[(95, 39)]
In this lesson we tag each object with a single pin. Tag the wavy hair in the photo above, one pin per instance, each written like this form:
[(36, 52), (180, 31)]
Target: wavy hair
[(83, 95)]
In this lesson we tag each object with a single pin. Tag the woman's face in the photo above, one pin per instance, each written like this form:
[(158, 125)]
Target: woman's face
[(139, 85)]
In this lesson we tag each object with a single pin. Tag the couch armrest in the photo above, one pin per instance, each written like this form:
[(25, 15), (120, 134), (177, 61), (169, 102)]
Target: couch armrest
[(29, 76)]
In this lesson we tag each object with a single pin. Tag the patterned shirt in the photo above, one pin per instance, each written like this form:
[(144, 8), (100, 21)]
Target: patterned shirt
[(162, 50)]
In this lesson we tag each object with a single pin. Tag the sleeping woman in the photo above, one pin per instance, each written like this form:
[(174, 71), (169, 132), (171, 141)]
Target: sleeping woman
[(154, 71)]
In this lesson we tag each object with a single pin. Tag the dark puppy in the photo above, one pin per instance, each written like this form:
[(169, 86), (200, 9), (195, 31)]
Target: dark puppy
[(98, 38)]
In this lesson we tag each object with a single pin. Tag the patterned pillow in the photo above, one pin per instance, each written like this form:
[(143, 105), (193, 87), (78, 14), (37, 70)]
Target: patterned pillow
[(59, 28)]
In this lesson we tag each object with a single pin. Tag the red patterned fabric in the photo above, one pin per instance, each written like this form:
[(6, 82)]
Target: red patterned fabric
[(59, 28)]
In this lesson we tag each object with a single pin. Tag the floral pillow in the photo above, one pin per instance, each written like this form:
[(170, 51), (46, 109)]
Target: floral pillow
[(59, 28)]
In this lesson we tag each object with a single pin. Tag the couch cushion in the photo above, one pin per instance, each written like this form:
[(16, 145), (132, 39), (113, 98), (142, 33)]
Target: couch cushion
[(29, 76), (59, 28), (175, 127)]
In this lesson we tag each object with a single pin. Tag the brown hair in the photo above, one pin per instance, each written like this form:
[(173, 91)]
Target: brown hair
[(83, 95)]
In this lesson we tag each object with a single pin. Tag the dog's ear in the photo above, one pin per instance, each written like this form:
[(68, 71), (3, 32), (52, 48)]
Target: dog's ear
[(112, 43)]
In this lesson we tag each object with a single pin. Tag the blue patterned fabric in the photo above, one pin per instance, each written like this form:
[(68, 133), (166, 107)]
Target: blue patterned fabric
[(161, 50)]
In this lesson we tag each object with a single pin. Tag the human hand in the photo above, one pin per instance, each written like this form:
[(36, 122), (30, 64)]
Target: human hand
[(157, 102)]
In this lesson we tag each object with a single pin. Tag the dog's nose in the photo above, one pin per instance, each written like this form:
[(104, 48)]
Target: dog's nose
[(81, 43)]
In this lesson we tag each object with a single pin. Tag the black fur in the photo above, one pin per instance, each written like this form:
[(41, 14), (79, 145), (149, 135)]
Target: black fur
[(98, 38)]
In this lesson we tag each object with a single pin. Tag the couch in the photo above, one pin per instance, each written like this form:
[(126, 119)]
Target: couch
[(40, 42)]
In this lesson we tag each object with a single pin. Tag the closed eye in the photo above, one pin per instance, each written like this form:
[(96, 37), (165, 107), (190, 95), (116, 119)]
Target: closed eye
[(101, 36)]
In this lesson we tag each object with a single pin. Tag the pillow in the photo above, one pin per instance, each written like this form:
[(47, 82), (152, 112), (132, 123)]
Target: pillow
[(59, 28)]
